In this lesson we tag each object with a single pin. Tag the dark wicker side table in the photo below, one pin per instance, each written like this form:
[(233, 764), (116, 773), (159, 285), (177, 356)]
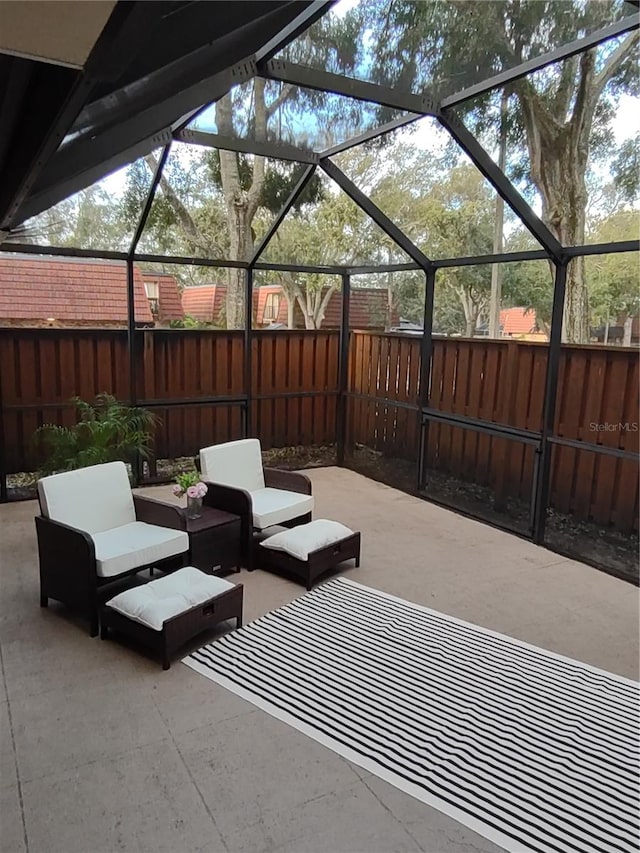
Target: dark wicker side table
[(214, 540)]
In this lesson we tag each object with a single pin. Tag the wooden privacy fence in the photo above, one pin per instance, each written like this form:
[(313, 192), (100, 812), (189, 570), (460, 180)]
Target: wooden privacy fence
[(503, 382), (193, 380)]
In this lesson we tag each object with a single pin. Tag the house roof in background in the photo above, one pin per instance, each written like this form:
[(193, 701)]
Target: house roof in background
[(72, 291), (368, 305), (169, 295), (518, 321), (204, 302)]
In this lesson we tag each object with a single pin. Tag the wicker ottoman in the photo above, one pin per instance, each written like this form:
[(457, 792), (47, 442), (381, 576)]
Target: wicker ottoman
[(166, 613), (309, 550)]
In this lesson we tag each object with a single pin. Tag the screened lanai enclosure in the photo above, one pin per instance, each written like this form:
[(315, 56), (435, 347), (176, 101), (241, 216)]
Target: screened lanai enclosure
[(408, 233)]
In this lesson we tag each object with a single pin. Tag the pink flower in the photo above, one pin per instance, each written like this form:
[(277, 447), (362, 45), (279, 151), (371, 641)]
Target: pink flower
[(202, 489), (177, 491), (193, 492)]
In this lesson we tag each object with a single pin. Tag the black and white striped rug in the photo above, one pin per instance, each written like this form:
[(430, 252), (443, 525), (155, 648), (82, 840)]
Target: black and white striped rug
[(530, 749)]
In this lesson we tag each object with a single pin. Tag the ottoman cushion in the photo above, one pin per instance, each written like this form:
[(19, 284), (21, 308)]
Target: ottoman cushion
[(300, 541), (155, 602)]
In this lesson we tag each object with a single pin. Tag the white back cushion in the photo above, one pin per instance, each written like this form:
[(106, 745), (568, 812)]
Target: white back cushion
[(92, 499), (235, 463)]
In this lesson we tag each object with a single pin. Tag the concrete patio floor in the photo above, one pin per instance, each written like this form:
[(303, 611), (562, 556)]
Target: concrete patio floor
[(103, 751)]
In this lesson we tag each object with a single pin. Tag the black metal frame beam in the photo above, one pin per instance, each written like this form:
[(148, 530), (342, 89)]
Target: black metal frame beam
[(142, 221), (62, 251), (374, 212), (248, 352), (500, 430), (305, 19), (542, 482), (123, 21), (368, 135), (470, 145), (629, 455), (189, 261), (507, 257), (131, 351), (426, 359), (275, 150), (348, 87), (602, 249), (328, 270), (284, 210), (372, 270), (83, 161), (502, 258), (343, 371), (631, 22)]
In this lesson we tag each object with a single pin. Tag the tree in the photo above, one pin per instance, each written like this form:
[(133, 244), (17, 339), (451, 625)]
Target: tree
[(614, 286), (562, 112)]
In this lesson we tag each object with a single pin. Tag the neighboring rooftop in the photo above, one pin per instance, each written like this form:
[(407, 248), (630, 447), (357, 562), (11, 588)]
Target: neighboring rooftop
[(59, 292)]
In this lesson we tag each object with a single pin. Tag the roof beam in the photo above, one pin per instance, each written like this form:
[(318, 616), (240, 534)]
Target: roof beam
[(602, 249), (286, 207), (368, 135), (374, 212), (80, 163), (323, 270), (631, 22), (59, 110), (502, 184), (277, 150), (149, 201), (372, 269), (502, 258), (305, 19), (325, 81)]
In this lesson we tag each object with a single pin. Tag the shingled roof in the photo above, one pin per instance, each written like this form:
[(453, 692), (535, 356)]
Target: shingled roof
[(368, 309), (518, 321), (78, 292)]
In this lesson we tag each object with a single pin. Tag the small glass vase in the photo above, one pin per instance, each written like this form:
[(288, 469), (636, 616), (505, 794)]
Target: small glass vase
[(194, 507)]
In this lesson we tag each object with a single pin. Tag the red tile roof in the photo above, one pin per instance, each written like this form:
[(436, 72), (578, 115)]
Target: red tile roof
[(205, 302), (72, 291), (170, 302), (368, 309), (518, 321)]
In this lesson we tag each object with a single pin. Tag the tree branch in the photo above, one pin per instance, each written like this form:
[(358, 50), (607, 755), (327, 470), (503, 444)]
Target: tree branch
[(191, 230), (613, 63), (285, 93)]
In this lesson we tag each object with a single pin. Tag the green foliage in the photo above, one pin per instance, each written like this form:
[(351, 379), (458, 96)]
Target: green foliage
[(106, 431), (189, 322), (185, 480), (614, 286)]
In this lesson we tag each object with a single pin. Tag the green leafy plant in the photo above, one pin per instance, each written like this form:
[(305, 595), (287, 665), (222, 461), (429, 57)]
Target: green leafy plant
[(189, 483), (107, 430)]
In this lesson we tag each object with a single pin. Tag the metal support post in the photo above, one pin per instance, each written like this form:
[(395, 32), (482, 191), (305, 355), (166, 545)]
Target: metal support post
[(248, 354), (426, 357), (540, 497), (343, 370)]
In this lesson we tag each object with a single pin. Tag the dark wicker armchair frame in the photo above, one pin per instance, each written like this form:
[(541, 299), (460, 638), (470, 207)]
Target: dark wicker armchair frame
[(68, 560), (238, 501)]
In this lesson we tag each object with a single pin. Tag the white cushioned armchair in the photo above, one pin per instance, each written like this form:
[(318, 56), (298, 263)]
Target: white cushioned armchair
[(262, 497), (92, 530)]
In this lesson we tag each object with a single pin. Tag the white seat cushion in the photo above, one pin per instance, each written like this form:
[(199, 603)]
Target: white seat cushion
[(137, 544), (91, 499), (164, 598), (273, 506), (300, 541)]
